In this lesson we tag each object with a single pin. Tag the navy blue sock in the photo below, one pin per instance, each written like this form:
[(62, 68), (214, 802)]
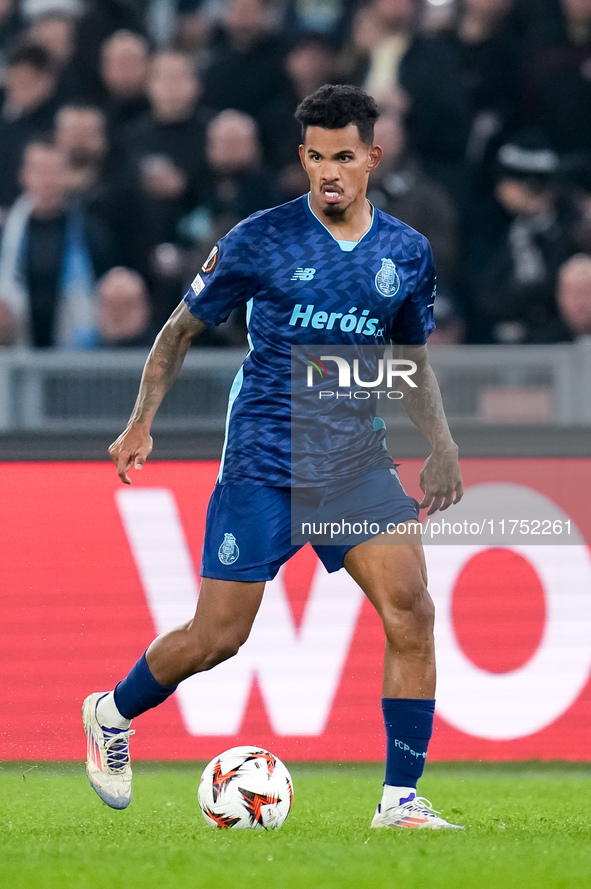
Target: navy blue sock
[(139, 691), (409, 726)]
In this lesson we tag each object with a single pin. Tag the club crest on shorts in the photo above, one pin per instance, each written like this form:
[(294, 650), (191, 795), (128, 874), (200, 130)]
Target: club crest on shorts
[(228, 551), (387, 279)]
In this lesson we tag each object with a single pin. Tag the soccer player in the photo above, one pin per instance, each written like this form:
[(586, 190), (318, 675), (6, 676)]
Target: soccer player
[(326, 270)]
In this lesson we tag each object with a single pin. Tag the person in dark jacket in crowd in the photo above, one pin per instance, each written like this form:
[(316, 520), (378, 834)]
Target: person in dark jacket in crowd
[(556, 95), (310, 63), (237, 183), (418, 76), (28, 105), (246, 68), (515, 293), (485, 38), (237, 186), (400, 187), (105, 183), (575, 181), (51, 253), (56, 32), (100, 20), (123, 310), (167, 143), (11, 24), (330, 19), (123, 72)]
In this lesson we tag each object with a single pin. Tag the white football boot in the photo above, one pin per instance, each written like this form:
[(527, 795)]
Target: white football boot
[(414, 813), (107, 756)]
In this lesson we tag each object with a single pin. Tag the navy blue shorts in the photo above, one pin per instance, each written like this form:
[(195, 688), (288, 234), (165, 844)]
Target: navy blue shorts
[(252, 530)]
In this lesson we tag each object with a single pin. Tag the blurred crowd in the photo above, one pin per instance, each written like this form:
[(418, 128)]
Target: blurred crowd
[(135, 133)]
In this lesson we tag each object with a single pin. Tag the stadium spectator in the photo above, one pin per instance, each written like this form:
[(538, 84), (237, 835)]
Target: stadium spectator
[(104, 184), (400, 187), (56, 32), (11, 24), (310, 63), (28, 102), (419, 76), (100, 20), (502, 64), (237, 184), (123, 71), (533, 17), (395, 24), (557, 80), (191, 27), (485, 39), (516, 290), (168, 143), (329, 18), (123, 310), (51, 253), (574, 297), (575, 183), (246, 69)]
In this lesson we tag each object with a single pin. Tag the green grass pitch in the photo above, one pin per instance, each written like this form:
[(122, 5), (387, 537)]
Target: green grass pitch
[(528, 825)]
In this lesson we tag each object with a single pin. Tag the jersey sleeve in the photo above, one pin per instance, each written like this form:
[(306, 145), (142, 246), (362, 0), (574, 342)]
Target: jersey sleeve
[(227, 279), (414, 321)]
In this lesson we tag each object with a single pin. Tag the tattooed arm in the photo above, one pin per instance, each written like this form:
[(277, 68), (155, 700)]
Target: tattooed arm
[(164, 362), (441, 479)]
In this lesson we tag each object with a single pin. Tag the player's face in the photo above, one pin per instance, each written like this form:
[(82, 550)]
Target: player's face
[(338, 165)]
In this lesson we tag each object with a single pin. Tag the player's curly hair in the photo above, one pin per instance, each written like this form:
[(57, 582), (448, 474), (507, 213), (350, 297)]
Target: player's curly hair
[(333, 107)]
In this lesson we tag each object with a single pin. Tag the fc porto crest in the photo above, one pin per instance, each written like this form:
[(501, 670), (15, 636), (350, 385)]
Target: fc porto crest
[(387, 279), (228, 551)]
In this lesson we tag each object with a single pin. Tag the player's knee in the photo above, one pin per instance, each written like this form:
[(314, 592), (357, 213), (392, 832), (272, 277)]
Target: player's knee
[(410, 620), (220, 654), (222, 648), (424, 610)]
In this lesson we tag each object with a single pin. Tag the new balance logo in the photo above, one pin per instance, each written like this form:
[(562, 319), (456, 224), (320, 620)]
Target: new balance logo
[(303, 274)]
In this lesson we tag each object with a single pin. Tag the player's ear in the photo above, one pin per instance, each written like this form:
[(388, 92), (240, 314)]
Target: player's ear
[(374, 157), (302, 150)]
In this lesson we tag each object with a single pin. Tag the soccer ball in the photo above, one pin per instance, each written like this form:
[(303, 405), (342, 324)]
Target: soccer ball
[(245, 787)]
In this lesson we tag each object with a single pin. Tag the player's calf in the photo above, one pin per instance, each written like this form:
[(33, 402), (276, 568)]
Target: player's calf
[(221, 625)]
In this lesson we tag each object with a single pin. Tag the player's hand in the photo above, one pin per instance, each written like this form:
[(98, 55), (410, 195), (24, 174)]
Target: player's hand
[(441, 480), (131, 449)]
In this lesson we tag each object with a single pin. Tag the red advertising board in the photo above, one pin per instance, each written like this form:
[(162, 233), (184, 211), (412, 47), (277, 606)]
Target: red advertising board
[(92, 570)]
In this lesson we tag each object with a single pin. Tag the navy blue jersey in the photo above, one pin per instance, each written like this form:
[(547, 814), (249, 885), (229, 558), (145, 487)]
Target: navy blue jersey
[(301, 289)]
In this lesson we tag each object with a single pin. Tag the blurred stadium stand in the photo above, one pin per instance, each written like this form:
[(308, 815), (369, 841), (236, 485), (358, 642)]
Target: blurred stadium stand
[(487, 147), (501, 401), (70, 392)]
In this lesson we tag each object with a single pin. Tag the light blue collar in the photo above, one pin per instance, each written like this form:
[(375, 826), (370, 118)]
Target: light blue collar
[(346, 246)]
